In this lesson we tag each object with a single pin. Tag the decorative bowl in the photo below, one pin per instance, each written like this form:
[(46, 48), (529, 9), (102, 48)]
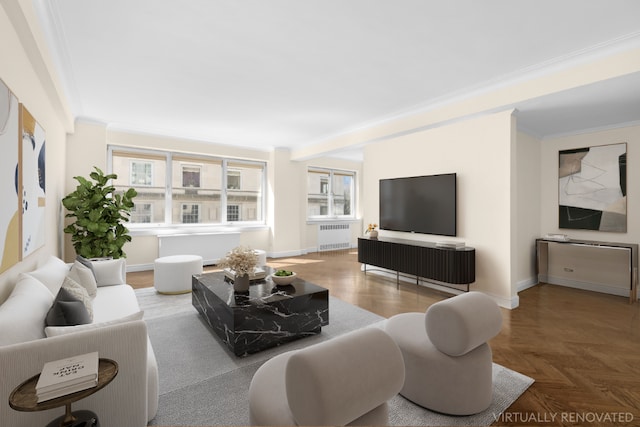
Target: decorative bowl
[(283, 280)]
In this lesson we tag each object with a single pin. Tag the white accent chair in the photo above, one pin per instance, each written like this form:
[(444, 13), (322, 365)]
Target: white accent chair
[(448, 361), (172, 274), (343, 381)]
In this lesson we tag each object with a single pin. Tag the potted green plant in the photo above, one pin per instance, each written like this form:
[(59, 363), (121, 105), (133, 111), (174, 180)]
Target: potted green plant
[(283, 277), (100, 214)]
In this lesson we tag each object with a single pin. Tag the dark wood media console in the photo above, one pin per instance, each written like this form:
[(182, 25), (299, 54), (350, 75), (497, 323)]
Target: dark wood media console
[(421, 259)]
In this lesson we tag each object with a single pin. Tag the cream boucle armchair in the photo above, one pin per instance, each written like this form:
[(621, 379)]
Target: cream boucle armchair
[(448, 361), (344, 381)]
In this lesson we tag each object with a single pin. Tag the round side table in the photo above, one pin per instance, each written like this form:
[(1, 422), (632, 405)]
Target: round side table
[(24, 398)]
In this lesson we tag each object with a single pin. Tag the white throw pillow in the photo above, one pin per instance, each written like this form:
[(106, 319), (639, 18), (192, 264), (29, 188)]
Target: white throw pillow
[(51, 274), (22, 315), (80, 293), (52, 331), (84, 276), (110, 272)]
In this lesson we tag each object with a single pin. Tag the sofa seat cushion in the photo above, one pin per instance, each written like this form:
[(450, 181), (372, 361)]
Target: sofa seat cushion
[(113, 302), (23, 314)]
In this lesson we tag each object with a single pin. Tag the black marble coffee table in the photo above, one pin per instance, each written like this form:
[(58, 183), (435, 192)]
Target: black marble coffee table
[(266, 316)]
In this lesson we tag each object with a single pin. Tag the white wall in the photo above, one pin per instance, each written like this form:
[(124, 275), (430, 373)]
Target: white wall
[(19, 74), (527, 219), (479, 151)]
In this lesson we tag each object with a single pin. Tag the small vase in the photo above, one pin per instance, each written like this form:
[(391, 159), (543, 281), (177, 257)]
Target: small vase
[(373, 234), (241, 283)]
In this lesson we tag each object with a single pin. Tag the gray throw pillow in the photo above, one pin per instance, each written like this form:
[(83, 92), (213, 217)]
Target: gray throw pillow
[(67, 311)]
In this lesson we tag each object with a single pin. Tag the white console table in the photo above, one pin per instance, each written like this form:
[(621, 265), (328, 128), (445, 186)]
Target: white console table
[(607, 267)]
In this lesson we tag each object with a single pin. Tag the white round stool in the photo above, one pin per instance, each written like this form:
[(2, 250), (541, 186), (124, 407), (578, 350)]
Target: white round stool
[(172, 274), (262, 257)]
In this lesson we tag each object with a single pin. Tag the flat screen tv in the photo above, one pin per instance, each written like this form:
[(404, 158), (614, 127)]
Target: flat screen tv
[(419, 204)]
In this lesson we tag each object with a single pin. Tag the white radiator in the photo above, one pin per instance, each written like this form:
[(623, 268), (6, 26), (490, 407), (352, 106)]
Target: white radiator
[(210, 246), (334, 236)]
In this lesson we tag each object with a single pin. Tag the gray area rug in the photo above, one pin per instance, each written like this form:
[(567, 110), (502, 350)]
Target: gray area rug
[(204, 384)]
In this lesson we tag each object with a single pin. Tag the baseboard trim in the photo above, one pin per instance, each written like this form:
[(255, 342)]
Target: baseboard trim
[(587, 286)]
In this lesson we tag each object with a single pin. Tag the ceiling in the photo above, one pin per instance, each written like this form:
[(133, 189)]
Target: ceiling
[(288, 73)]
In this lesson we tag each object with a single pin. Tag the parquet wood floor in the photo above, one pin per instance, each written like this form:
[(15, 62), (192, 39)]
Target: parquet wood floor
[(582, 348)]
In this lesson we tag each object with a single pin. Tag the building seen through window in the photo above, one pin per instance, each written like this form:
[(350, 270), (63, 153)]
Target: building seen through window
[(330, 193), (176, 188)]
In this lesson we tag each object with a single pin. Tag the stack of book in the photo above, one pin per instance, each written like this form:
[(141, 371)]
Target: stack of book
[(558, 237), (450, 244), (258, 274), (66, 376)]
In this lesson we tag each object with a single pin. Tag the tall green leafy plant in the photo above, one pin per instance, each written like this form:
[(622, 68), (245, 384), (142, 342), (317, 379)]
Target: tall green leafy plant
[(100, 214)]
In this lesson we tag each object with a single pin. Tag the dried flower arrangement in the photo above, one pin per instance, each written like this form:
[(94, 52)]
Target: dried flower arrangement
[(370, 228), (241, 259)]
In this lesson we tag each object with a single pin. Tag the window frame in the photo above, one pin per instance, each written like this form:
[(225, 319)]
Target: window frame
[(168, 157), (330, 193)]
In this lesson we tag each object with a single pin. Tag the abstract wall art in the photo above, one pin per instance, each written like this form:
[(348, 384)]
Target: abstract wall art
[(9, 201), (32, 195), (592, 190)]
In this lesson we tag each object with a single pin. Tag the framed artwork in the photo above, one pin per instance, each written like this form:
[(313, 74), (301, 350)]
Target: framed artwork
[(10, 252), (32, 177), (592, 188)]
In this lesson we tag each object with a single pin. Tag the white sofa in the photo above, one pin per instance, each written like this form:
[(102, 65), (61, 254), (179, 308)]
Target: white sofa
[(116, 332)]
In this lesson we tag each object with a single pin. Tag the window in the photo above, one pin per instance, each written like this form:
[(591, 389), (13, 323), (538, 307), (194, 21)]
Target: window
[(330, 193), (190, 214), (142, 213), (146, 173), (245, 190), (233, 180), (141, 173), (324, 185), (233, 213), (177, 188), (190, 176)]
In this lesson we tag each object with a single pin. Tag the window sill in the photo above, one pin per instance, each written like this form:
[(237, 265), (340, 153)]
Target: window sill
[(164, 230)]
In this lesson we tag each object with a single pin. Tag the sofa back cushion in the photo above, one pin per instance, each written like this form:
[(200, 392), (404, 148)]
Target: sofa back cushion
[(51, 274), (22, 315)]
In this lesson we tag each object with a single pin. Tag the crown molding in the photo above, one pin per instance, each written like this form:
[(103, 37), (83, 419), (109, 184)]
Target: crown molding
[(542, 69), (49, 18)]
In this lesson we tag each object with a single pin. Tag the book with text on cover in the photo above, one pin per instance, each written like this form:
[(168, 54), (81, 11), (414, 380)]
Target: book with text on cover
[(258, 274), (64, 376)]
